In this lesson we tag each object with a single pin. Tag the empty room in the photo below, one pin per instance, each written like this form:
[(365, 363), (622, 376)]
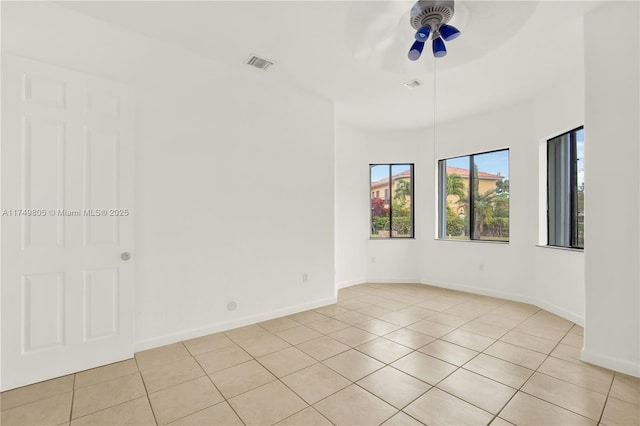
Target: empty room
[(449, 232)]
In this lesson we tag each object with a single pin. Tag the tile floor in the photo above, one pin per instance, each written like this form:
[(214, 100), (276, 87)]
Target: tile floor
[(391, 354)]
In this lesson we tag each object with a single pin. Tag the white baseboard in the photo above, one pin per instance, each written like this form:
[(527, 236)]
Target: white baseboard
[(351, 283), (616, 364), (227, 325), (393, 280), (481, 291), (578, 319)]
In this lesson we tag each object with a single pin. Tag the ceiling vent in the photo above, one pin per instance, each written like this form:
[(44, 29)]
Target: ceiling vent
[(413, 84), (260, 63)]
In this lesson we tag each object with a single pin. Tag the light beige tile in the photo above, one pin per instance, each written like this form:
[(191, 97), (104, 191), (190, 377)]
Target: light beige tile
[(526, 410), (355, 406), (306, 316), (419, 312), (315, 383), (352, 317), (568, 353), (480, 391), (498, 320), (527, 341), (468, 340), (134, 413), (577, 330), (585, 375), (516, 354), (222, 358), (502, 371), (162, 355), (307, 417), (322, 348), (245, 333), (500, 422), (107, 372), (626, 388), (402, 419), (207, 343), (435, 305), (566, 395), (384, 350), (620, 413), (409, 338), (331, 310), (220, 414), (400, 319), (267, 404), (184, 399), (374, 311), (430, 328), (352, 336), (286, 361), (298, 334), (170, 374), (263, 344), (35, 392), (483, 329), (102, 395), (53, 410), (392, 305), (378, 327), (327, 325), (279, 324), (424, 367), (353, 365), (439, 408), (573, 340), (241, 378), (540, 329), (449, 352), (394, 386), (352, 304), (448, 319)]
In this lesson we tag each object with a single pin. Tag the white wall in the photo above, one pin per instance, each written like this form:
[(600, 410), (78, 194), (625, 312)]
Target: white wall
[(612, 332), (234, 177), (351, 235)]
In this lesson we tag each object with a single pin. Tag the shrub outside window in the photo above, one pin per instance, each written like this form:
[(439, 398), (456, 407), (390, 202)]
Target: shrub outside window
[(473, 197), (392, 215)]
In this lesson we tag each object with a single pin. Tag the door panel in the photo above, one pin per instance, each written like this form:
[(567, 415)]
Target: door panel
[(67, 215)]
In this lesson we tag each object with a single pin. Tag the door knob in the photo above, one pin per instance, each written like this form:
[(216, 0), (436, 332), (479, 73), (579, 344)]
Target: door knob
[(125, 255)]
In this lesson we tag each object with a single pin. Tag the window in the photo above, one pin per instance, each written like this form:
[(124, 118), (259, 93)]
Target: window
[(565, 190), (473, 197), (391, 216)]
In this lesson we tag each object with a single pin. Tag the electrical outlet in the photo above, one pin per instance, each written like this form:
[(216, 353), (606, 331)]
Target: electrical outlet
[(373, 259), (481, 267), (305, 277)]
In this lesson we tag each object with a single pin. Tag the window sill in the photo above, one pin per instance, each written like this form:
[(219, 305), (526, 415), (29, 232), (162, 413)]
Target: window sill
[(472, 241), (393, 239), (576, 250)]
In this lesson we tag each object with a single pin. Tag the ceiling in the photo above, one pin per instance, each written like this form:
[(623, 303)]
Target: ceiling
[(354, 52)]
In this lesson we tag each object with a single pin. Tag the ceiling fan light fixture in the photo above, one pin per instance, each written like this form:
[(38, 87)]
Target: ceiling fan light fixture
[(448, 32), (423, 33), (416, 50), (439, 49)]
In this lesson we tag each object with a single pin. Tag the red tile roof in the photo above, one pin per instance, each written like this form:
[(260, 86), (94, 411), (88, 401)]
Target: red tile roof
[(465, 173)]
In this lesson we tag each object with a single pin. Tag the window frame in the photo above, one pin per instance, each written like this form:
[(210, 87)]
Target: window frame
[(572, 170), (442, 200), (390, 192)]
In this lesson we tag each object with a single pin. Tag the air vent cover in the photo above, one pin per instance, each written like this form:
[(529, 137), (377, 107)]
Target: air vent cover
[(259, 63)]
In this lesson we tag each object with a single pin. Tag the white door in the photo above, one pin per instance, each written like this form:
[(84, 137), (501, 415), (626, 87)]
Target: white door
[(67, 218)]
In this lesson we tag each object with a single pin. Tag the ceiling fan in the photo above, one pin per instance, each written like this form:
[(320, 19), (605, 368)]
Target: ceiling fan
[(430, 17)]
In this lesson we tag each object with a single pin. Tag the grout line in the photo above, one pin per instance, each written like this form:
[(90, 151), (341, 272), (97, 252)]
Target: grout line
[(73, 397), (606, 401), (146, 391)]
